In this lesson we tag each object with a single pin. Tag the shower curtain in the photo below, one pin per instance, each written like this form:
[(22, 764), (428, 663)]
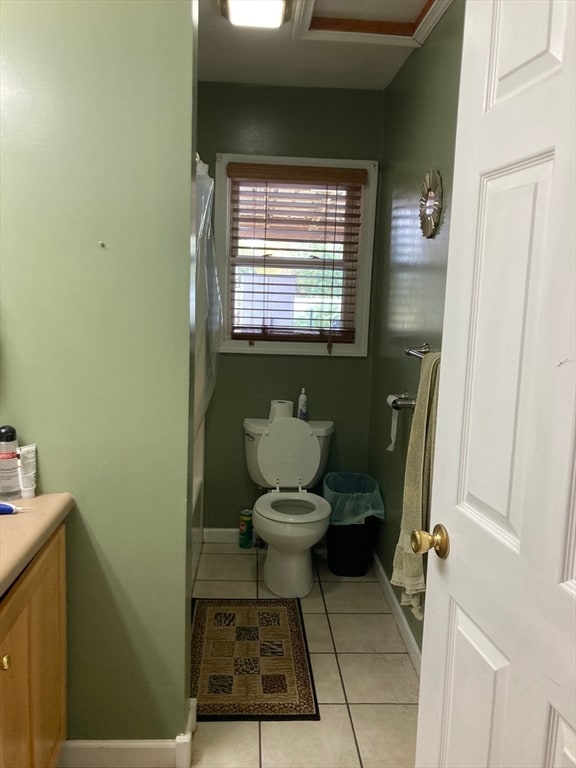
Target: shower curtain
[(208, 304)]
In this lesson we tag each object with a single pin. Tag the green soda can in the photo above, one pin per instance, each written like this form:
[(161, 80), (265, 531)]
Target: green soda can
[(245, 539)]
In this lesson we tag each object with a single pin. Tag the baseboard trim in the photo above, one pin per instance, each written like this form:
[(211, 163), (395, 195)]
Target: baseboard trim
[(403, 627), (183, 742), (116, 753), (131, 753), (222, 535)]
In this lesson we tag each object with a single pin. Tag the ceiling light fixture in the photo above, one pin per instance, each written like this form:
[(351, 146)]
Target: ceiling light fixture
[(255, 13)]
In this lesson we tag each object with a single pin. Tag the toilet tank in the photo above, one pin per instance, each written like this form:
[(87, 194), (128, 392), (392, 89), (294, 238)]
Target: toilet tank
[(253, 431)]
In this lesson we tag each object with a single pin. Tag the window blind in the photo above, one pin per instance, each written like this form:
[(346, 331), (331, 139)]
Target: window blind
[(294, 245)]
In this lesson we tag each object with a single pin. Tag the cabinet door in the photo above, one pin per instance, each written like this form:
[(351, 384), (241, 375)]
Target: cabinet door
[(47, 654), (15, 736), (33, 648)]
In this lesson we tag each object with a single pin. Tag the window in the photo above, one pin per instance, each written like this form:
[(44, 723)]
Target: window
[(295, 238)]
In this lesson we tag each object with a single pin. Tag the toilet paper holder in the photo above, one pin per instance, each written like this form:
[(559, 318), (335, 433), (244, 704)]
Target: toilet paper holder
[(403, 401), (398, 403)]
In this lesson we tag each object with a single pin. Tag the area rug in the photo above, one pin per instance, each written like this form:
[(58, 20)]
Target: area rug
[(249, 661)]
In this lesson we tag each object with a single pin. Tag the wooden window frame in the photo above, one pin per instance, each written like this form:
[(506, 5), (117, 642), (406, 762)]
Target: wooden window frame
[(365, 169)]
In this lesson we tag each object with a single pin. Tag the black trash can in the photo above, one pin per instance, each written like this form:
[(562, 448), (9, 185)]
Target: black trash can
[(356, 506)]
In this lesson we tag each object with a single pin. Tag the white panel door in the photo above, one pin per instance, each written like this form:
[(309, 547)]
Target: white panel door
[(498, 683)]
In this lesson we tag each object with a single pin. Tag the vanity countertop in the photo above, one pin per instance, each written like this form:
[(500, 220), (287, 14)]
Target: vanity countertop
[(23, 533)]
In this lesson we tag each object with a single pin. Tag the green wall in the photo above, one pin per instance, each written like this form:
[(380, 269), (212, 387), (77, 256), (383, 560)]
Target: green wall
[(291, 122), (94, 366), (408, 303)]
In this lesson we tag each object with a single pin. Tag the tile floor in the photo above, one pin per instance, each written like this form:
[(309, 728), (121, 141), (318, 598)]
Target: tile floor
[(366, 685)]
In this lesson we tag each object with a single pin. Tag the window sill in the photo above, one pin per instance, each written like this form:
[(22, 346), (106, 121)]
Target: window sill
[(292, 348)]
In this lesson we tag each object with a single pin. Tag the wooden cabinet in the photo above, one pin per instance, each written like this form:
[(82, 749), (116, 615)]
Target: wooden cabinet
[(14, 693), (33, 661)]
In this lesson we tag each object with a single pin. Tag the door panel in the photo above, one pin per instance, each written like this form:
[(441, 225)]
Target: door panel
[(561, 741), (510, 260), (478, 671), (526, 46)]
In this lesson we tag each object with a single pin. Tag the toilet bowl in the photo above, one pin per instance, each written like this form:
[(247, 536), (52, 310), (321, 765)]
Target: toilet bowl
[(287, 456), (291, 524)]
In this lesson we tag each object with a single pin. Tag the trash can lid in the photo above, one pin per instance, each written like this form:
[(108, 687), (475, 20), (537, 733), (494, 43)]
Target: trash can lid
[(288, 453)]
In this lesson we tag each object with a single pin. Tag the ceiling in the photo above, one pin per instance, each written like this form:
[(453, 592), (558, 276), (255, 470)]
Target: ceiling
[(324, 44)]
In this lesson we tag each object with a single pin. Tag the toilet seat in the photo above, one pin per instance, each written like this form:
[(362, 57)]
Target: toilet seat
[(288, 454), (271, 505)]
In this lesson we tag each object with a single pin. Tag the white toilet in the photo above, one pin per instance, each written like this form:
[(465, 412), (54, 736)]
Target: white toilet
[(287, 456)]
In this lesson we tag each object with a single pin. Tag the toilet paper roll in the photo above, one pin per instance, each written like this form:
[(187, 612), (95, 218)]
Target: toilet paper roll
[(280, 409), (390, 399)]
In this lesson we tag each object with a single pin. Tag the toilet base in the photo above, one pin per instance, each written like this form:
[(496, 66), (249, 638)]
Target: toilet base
[(288, 574)]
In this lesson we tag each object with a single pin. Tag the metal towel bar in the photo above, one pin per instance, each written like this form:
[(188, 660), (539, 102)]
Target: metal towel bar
[(420, 351), (405, 400)]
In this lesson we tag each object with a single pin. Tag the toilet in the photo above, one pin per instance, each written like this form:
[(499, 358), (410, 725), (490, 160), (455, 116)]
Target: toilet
[(287, 456)]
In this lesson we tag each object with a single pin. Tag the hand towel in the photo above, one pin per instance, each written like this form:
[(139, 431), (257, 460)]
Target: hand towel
[(408, 568)]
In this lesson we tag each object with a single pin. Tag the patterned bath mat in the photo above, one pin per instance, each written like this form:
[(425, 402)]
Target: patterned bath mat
[(249, 661)]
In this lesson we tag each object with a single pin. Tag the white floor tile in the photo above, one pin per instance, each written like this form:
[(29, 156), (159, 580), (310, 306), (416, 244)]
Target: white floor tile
[(313, 602), (327, 678), (386, 734), (232, 589), (365, 633), (263, 591), (260, 560), (226, 548), (325, 743), (226, 745), (379, 678), (318, 633), (350, 597), (326, 574), (223, 567)]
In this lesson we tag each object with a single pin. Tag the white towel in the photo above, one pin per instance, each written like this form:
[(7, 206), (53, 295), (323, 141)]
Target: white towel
[(408, 569)]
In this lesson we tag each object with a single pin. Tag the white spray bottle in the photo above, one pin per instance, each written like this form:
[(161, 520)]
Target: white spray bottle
[(303, 405)]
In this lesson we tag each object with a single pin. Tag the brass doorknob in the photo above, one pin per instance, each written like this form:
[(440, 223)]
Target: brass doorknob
[(438, 540)]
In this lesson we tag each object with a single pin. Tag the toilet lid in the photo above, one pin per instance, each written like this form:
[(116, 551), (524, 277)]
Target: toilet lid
[(288, 453)]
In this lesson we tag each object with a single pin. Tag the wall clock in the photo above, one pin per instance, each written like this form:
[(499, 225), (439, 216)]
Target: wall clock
[(430, 203)]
